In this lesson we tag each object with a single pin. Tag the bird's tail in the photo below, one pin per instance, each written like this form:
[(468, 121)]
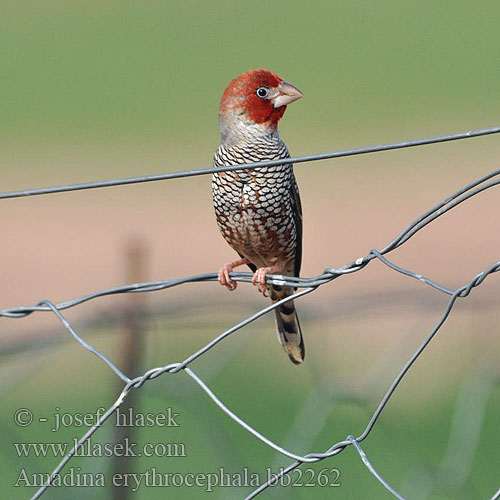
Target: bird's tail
[(287, 321)]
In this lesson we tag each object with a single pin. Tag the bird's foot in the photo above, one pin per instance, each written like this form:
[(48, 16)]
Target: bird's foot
[(259, 278), (225, 279)]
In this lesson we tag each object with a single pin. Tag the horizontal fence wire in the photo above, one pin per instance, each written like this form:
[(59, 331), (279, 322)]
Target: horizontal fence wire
[(248, 166), (307, 285)]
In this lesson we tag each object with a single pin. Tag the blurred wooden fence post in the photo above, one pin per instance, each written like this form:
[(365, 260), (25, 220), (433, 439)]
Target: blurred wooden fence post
[(131, 343)]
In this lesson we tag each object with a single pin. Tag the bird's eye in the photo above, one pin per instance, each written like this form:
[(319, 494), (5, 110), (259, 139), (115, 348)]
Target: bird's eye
[(262, 92)]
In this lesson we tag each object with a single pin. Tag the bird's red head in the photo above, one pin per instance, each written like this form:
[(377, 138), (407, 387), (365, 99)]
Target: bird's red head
[(259, 96)]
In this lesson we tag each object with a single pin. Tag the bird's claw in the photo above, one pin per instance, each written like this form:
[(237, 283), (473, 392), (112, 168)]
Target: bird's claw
[(225, 279), (259, 280), (223, 276)]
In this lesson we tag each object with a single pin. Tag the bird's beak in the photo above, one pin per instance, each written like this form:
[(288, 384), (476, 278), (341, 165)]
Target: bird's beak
[(287, 93)]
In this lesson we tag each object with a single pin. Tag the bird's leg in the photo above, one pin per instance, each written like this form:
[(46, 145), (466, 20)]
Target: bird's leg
[(259, 278), (225, 279)]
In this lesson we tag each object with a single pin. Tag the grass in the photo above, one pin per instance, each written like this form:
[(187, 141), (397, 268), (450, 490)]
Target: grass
[(156, 69), (406, 446)]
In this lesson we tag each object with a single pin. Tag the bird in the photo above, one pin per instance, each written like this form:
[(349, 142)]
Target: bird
[(259, 211)]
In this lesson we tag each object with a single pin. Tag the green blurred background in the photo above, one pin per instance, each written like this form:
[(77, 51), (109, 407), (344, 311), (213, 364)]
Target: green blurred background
[(96, 90)]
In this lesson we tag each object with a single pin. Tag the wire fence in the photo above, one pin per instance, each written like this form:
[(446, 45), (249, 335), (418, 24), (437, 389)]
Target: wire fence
[(307, 285)]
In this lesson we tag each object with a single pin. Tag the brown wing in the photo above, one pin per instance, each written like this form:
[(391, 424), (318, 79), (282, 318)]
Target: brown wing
[(297, 216)]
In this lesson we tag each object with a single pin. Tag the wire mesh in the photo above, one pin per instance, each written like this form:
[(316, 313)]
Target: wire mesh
[(307, 285)]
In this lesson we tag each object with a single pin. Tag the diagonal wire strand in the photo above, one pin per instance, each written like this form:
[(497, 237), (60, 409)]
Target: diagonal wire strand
[(308, 285), (329, 274), (372, 469)]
